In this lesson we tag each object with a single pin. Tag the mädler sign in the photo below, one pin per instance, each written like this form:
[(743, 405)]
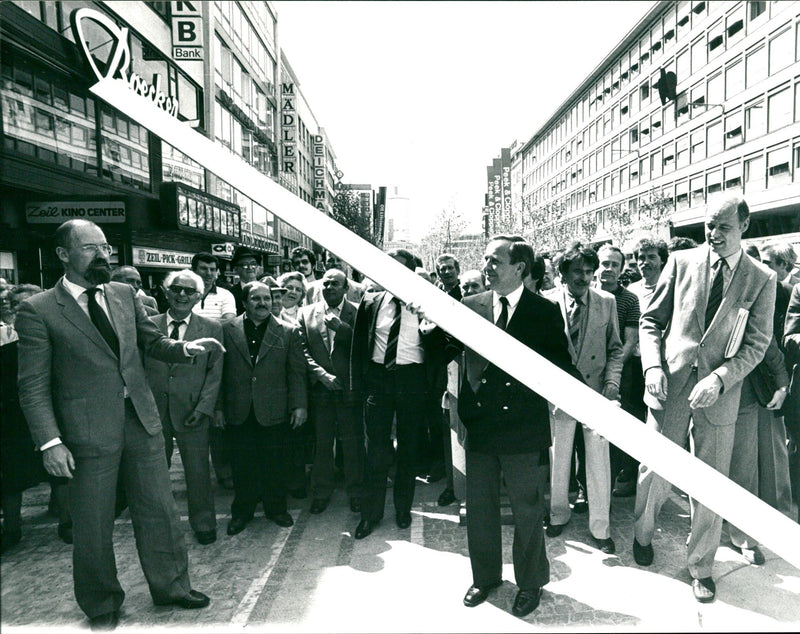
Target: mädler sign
[(187, 31)]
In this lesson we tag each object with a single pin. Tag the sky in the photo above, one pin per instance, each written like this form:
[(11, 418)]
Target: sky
[(423, 95)]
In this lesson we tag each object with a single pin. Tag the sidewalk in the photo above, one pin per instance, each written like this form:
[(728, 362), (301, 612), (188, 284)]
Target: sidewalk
[(314, 577)]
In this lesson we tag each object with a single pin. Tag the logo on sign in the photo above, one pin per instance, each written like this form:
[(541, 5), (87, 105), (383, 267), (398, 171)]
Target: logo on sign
[(187, 32)]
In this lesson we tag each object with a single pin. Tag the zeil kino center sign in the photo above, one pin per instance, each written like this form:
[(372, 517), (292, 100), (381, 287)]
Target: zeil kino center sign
[(60, 211)]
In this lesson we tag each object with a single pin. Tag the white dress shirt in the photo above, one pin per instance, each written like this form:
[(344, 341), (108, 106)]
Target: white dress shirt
[(513, 300), (182, 328), (409, 343), (727, 273)]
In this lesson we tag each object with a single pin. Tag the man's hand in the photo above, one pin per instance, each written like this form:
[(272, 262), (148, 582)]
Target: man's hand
[(219, 419), (206, 345), (298, 417), (58, 461), (611, 391), (333, 322), (655, 382), (777, 399), (706, 392), (196, 419)]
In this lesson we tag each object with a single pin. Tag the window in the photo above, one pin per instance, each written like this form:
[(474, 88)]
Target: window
[(755, 120), (644, 169), (755, 9), (669, 158), (634, 172), (655, 124), (699, 55), (682, 151), (778, 168), (733, 130), (697, 190), (714, 138), (682, 65), (779, 109), (682, 195), (716, 40), (714, 181), (732, 176), (756, 62), (754, 173), (716, 92), (780, 50), (734, 25), (697, 144), (734, 79), (655, 164)]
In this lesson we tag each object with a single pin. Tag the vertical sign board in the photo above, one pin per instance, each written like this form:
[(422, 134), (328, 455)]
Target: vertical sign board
[(187, 31), (320, 166), (497, 192), (491, 221), (505, 162), (288, 130), (380, 216)]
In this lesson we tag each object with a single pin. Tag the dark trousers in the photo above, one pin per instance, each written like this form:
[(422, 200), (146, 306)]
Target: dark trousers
[(259, 467), (523, 479), (631, 392), (398, 392), (336, 420), (220, 453), (142, 467)]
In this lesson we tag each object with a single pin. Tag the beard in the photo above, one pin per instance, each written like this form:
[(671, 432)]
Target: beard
[(98, 272)]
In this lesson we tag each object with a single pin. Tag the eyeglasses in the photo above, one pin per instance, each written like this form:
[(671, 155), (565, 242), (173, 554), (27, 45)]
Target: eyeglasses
[(186, 290), (105, 249)]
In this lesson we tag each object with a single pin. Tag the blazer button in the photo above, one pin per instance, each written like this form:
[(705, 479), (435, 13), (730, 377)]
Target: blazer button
[(253, 379), (505, 407), (483, 380), (588, 376), (508, 384), (593, 357), (702, 345), (478, 404)]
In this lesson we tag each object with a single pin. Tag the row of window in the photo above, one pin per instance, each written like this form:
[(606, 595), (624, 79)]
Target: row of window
[(230, 76)]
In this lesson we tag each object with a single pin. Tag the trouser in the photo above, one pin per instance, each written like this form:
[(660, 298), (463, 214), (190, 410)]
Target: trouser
[(744, 457), (193, 447), (156, 528), (631, 392), (397, 392), (522, 476), (220, 454)]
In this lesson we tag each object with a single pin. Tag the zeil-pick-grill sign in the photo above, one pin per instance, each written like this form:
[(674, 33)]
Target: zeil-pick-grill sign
[(99, 211)]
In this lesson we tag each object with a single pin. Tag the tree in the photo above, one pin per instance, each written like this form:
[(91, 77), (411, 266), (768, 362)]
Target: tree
[(442, 236), (346, 210)]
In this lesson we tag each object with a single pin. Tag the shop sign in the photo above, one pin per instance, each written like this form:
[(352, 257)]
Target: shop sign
[(160, 258), (320, 170), (288, 127), (187, 31), (223, 250), (56, 212)]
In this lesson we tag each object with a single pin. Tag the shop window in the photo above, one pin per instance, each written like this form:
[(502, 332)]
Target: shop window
[(779, 109), (714, 143), (781, 52), (755, 120), (734, 79), (778, 167), (756, 65), (754, 173)]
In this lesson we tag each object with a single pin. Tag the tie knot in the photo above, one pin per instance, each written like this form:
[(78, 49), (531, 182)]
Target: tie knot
[(93, 290), (178, 324), (504, 300)]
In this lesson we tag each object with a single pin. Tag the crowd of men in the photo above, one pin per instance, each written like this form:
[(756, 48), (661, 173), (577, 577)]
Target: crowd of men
[(295, 384)]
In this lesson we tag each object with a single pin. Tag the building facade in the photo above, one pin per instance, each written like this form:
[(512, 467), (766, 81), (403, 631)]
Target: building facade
[(699, 97)]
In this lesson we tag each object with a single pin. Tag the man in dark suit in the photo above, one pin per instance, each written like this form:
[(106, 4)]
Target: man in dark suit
[(263, 394), (508, 429), (245, 265), (186, 396), (84, 393), (326, 331)]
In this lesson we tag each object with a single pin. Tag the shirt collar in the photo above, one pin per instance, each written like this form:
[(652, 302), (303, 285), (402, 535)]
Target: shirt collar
[(75, 290), (571, 299), (171, 319), (732, 260), (513, 297), (338, 308), (263, 324)]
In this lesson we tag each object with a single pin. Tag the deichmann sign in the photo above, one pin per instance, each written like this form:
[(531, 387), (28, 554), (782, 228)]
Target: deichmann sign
[(162, 259), (320, 171), (708, 486), (119, 60), (56, 212)]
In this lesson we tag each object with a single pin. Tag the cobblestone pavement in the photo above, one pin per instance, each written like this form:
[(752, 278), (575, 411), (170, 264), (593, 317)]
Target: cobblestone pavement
[(314, 577)]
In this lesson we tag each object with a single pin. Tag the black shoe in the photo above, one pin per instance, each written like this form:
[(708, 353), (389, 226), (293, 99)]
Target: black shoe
[(236, 525), (319, 505), (299, 493), (642, 555), (526, 602), (554, 530), (753, 555), (191, 601), (364, 529), (447, 497), (581, 503), (478, 594), (206, 537), (355, 504), (704, 589), (403, 520), (65, 533), (107, 621), (605, 545), (282, 519)]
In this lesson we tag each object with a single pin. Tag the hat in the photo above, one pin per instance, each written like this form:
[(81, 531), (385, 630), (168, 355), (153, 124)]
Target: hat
[(241, 253)]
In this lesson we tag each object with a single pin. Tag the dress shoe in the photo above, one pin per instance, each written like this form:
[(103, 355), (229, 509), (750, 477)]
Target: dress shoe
[(236, 525), (355, 504), (319, 505), (403, 520), (226, 483), (447, 497), (300, 493), (65, 533), (364, 528), (605, 545), (581, 503), (191, 601), (704, 589), (642, 555), (478, 594), (526, 602), (753, 555), (554, 530), (107, 621), (283, 520), (206, 537)]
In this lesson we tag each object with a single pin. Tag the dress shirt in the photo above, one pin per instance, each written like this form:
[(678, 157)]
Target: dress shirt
[(79, 293), (332, 310), (182, 328), (513, 300), (584, 315), (727, 273), (409, 344)]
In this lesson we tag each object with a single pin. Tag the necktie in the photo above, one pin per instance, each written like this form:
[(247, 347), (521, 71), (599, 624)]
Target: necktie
[(100, 320), (575, 322), (176, 329), (715, 294), (390, 358), (502, 320)]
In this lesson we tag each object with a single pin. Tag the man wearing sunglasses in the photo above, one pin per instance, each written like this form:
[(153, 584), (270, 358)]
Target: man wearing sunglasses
[(186, 396)]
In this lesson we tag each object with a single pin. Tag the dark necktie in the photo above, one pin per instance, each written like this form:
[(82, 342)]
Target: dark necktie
[(390, 358), (575, 322), (715, 294), (176, 329), (502, 320), (100, 320)]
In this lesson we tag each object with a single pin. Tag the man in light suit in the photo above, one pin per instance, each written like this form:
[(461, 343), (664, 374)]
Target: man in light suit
[(85, 396), (592, 329), (263, 394), (326, 331), (186, 396), (694, 365)]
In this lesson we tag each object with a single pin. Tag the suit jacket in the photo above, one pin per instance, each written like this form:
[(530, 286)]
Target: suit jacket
[(72, 385), (181, 390), (238, 295), (271, 387), (321, 362), (791, 326), (599, 353), (672, 331), (503, 416)]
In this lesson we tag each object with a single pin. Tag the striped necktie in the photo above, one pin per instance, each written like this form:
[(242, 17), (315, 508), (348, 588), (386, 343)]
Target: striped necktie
[(715, 294), (390, 358), (575, 322)]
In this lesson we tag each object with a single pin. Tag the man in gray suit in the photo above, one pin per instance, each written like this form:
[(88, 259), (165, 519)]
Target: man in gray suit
[(186, 396), (85, 396), (326, 331), (694, 363)]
